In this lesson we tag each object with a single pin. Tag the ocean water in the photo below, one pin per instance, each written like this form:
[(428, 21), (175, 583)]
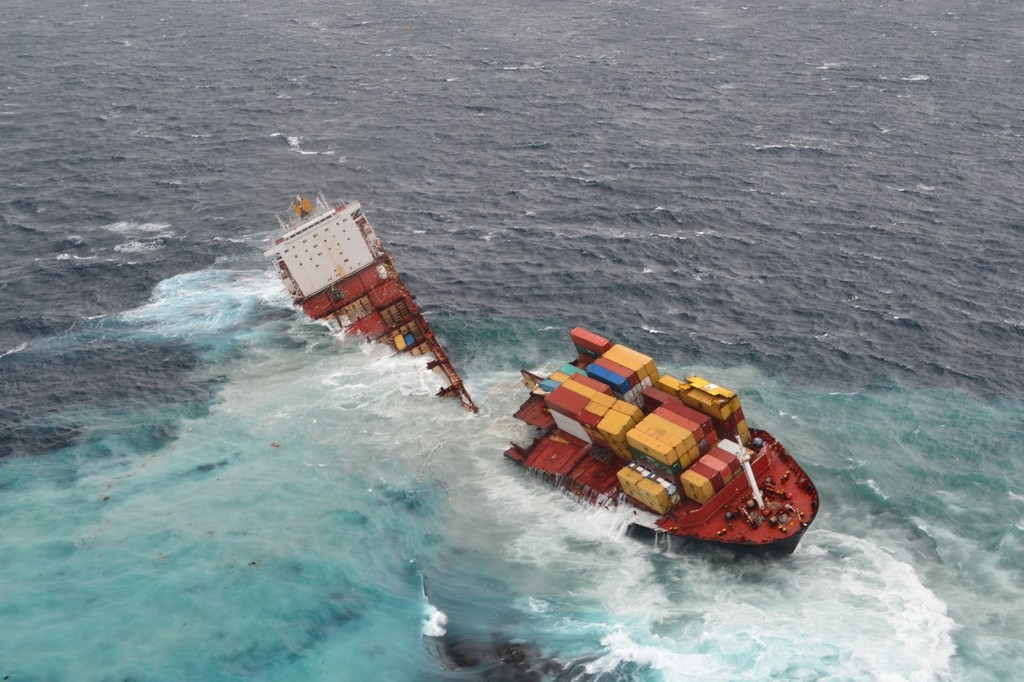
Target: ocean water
[(817, 204)]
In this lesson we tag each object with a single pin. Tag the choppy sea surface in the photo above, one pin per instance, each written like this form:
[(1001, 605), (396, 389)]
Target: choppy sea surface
[(817, 204)]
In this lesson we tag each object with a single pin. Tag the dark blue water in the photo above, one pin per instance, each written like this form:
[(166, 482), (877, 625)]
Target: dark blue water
[(817, 204)]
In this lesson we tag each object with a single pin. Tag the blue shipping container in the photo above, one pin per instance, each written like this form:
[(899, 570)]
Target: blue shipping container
[(409, 339), (618, 383), (549, 385)]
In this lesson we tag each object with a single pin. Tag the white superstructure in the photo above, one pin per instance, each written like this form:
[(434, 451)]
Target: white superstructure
[(321, 245)]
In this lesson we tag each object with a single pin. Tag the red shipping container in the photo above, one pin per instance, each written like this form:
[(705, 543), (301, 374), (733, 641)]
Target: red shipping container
[(675, 405), (721, 467), (726, 458), (588, 418), (589, 340), (567, 402), (709, 472), (598, 386), (655, 398), (681, 421)]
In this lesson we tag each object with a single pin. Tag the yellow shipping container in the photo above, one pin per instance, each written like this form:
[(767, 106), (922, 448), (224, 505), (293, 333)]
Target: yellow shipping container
[(671, 385), (559, 376), (629, 409), (604, 400), (400, 343), (652, 447), (595, 407), (744, 431), (577, 387), (646, 491), (614, 424), (657, 497), (642, 364), (706, 403), (684, 436), (690, 456), (696, 487), (622, 451), (711, 388)]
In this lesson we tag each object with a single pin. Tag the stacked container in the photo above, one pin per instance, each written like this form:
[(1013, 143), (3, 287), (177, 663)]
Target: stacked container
[(709, 474), (626, 371), (613, 428), (700, 424), (572, 405), (721, 404), (648, 488), (588, 344), (557, 377), (664, 441)]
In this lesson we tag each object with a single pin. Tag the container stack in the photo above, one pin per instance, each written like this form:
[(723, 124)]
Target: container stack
[(709, 474), (626, 371), (700, 424), (673, 434), (557, 377), (718, 403), (589, 345), (665, 441), (648, 488), (572, 404), (586, 409)]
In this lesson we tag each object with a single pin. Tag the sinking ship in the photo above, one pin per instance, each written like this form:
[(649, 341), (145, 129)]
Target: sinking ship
[(611, 429), (337, 270)]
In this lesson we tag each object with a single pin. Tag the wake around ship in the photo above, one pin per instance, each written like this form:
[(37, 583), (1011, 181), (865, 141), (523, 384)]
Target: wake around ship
[(613, 429), (337, 270)]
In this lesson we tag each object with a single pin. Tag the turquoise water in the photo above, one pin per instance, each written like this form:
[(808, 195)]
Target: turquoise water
[(815, 203), (287, 529)]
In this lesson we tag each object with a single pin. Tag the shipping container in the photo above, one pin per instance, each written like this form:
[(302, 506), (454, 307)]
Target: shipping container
[(706, 468), (617, 382), (696, 487), (558, 376), (642, 364), (589, 341), (629, 410), (569, 369), (726, 465), (648, 488), (570, 426), (566, 401), (630, 375), (588, 419), (577, 380), (548, 385)]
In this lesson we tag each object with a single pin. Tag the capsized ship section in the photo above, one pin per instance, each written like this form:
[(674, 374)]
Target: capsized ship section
[(335, 267), (613, 428)]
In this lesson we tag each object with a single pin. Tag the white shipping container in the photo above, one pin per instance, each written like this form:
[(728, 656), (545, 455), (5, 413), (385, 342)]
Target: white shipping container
[(570, 426)]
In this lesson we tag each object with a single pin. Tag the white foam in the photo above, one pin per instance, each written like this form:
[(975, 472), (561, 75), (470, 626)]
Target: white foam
[(621, 648), (17, 349), (136, 246), (132, 227), (435, 622)]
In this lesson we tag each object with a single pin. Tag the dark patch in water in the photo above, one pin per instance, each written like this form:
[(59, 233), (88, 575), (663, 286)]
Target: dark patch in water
[(210, 467)]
